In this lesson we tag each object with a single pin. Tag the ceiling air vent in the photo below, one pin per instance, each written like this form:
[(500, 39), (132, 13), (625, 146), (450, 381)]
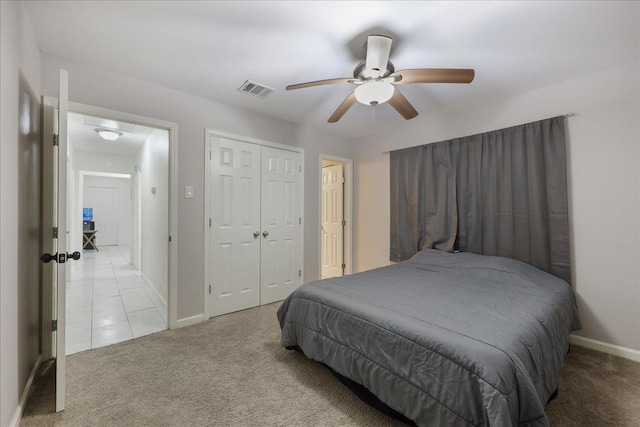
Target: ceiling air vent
[(255, 89)]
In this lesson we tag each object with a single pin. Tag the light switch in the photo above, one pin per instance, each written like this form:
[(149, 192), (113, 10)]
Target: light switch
[(188, 192)]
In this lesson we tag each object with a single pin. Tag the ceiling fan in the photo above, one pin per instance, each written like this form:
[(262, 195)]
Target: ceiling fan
[(376, 76)]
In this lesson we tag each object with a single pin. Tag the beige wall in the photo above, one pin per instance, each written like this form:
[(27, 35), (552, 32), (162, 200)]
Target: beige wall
[(20, 156), (603, 165)]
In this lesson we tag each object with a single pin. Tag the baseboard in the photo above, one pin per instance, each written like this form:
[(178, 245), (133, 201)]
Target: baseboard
[(616, 350), (148, 284), (17, 416), (192, 320)]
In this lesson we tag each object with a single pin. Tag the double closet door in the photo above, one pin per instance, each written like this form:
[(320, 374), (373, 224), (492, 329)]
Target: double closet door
[(256, 225)]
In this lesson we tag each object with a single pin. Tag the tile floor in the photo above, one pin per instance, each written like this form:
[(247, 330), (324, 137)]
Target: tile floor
[(107, 301)]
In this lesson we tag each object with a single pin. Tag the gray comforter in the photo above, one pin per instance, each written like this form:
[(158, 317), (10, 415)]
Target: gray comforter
[(445, 339)]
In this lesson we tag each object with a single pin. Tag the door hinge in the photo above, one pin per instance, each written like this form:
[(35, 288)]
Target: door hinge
[(55, 140), (343, 180), (299, 273), (209, 155), (169, 239), (344, 223), (55, 232), (300, 168), (54, 325), (209, 222), (300, 220), (209, 289), (344, 266)]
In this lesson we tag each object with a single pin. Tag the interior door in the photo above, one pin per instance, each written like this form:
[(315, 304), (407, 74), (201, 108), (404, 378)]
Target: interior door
[(235, 229), (332, 221), (104, 201), (61, 276), (281, 251), (54, 224)]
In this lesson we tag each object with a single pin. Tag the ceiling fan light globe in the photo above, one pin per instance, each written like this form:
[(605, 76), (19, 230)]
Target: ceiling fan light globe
[(374, 93)]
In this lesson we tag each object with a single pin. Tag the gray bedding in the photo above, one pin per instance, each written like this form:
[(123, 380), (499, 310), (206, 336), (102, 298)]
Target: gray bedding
[(444, 339)]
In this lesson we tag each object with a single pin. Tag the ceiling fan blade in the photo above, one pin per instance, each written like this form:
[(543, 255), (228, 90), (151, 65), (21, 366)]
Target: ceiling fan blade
[(321, 83), (346, 104), (435, 75), (378, 49), (402, 105)]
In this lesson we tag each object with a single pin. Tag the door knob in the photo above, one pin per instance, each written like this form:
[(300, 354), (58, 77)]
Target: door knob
[(265, 233), (256, 234), (47, 258), (60, 258)]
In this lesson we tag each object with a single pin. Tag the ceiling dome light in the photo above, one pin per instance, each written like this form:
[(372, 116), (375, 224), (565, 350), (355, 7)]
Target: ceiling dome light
[(109, 135), (374, 93)]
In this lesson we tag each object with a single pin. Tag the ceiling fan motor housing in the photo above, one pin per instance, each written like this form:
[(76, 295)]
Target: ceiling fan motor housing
[(358, 72)]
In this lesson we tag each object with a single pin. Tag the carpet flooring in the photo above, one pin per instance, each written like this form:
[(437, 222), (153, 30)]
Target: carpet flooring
[(232, 371)]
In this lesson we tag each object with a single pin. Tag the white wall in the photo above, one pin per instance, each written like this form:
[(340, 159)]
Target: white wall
[(153, 158), (19, 288), (603, 179), (122, 203), (193, 115)]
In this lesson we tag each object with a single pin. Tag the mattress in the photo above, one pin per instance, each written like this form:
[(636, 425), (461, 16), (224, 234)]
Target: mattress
[(445, 339)]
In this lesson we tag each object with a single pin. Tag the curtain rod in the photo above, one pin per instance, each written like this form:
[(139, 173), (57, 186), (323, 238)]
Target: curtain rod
[(563, 115)]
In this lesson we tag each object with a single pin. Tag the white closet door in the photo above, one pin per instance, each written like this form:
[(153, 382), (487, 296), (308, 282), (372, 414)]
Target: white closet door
[(235, 215), (281, 251), (332, 216)]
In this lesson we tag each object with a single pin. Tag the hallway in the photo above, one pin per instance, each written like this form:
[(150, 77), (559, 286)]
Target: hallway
[(108, 302)]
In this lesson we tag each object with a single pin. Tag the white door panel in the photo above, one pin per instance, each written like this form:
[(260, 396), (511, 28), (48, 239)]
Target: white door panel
[(281, 224), (332, 221), (235, 214), (104, 202)]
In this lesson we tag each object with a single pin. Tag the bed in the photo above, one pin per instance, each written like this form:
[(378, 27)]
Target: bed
[(445, 339)]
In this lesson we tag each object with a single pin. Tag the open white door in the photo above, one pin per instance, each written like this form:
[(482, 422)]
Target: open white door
[(55, 232), (61, 277), (332, 221)]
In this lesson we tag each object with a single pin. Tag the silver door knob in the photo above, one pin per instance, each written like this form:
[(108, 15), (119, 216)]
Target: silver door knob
[(265, 233), (256, 234)]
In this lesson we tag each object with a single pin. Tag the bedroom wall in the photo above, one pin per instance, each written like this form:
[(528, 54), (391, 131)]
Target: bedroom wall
[(193, 114), (314, 144), (20, 153), (603, 179)]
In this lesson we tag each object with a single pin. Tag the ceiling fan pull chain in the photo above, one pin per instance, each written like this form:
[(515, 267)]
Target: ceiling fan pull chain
[(373, 119)]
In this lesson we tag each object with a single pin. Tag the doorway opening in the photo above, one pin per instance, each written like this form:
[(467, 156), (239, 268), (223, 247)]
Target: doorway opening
[(336, 219), (118, 290)]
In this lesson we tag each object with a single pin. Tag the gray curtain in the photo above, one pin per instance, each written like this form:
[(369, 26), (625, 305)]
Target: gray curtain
[(500, 193)]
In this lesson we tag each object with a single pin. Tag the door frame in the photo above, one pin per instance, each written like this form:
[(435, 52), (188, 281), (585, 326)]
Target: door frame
[(172, 129), (215, 133), (347, 208)]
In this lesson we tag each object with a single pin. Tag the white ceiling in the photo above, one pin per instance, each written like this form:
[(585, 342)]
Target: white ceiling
[(210, 48), (83, 135)]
